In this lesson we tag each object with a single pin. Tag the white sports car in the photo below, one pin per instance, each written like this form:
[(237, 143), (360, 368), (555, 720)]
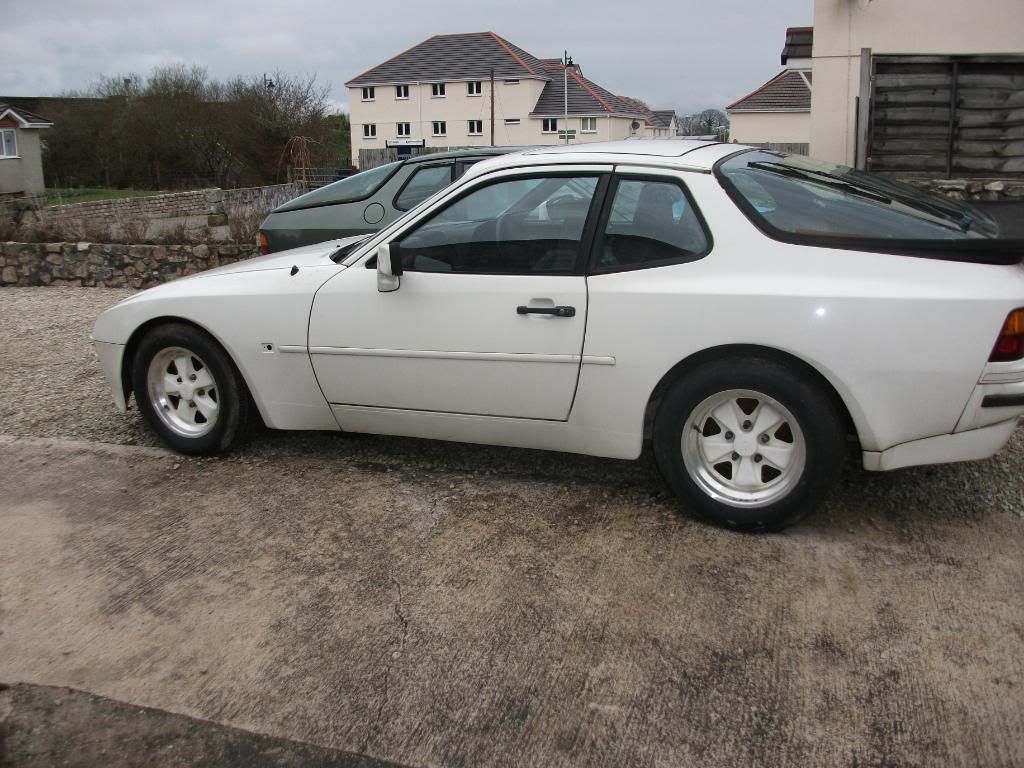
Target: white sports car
[(746, 311)]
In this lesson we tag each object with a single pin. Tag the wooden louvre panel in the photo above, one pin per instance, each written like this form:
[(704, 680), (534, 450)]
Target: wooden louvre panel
[(959, 116)]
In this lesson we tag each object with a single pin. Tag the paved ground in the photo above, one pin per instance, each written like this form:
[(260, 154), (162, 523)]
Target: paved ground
[(451, 605)]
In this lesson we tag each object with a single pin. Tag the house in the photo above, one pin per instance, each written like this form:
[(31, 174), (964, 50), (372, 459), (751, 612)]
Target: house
[(931, 88), (21, 160), (478, 89), (778, 114)]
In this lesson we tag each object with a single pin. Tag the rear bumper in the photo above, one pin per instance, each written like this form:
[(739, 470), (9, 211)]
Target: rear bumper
[(110, 356), (960, 446)]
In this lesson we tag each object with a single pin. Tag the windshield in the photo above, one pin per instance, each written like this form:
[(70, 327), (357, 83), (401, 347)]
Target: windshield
[(796, 195), (355, 187)]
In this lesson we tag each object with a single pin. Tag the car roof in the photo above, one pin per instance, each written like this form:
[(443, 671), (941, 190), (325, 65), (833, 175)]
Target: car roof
[(459, 153), (690, 154)]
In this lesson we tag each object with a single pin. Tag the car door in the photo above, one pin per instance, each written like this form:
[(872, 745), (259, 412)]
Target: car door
[(489, 318)]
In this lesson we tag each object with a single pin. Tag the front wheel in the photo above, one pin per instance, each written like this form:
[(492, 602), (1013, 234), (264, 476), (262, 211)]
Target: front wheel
[(748, 443), (188, 390)]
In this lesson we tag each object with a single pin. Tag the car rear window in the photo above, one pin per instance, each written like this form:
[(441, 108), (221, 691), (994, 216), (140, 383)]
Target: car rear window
[(356, 187), (805, 198)]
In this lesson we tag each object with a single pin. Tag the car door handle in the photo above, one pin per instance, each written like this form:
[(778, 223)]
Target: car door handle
[(556, 311)]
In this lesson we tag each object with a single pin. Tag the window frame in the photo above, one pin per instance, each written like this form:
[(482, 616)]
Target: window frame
[(588, 130), (587, 236), (606, 209), (513, 121), (407, 133), (14, 139), (433, 128), (369, 130), (369, 93), (511, 81), (470, 131), (422, 167), (479, 91), (545, 121), (398, 92), (438, 91), (977, 251)]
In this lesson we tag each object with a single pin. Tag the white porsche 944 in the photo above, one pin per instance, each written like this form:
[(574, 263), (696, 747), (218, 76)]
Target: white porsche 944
[(750, 313)]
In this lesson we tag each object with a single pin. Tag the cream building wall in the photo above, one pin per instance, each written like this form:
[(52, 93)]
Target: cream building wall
[(457, 108), (770, 127), (843, 27)]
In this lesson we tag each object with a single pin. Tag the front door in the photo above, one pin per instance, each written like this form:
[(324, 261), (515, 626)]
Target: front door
[(490, 315)]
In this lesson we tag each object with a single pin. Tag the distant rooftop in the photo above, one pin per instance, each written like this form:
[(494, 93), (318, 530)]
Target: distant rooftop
[(23, 116), (469, 56), (799, 41), (788, 91)]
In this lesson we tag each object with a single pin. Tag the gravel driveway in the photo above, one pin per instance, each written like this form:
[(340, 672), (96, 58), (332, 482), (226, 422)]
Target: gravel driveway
[(445, 604)]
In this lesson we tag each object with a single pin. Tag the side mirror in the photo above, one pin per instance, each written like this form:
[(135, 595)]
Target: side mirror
[(389, 267)]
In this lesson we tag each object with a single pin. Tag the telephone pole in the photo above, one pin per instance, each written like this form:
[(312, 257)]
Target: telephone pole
[(492, 106)]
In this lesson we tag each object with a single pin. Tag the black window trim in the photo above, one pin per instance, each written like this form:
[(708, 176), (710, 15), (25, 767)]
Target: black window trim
[(975, 251), (606, 209), (422, 167), (587, 236)]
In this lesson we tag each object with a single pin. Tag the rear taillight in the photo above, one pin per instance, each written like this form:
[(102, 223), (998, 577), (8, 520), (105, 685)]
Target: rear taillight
[(1010, 345), (263, 243)]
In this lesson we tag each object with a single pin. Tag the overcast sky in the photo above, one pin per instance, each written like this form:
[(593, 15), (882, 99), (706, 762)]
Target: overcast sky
[(677, 54)]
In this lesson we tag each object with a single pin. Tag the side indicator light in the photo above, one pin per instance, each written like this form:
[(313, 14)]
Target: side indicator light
[(263, 243)]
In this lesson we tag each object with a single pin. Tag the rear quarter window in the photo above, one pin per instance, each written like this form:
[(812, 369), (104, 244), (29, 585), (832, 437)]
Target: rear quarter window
[(796, 196)]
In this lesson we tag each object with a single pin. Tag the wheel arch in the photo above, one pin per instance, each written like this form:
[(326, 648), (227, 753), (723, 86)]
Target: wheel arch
[(132, 345), (704, 356)]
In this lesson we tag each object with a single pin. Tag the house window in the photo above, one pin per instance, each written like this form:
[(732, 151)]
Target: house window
[(588, 124), (440, 128), (369, 130), (550, 125), (404, 130), (476, 127), (511, 121), (8, 143), (511, 82), (473, 88), (369, 93), (401, 91), (437, 90)]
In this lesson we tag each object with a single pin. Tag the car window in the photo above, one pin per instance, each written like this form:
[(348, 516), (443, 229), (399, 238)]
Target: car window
[(422, 184), (520, 226), (650, 222), (796, 195), (356, 187)]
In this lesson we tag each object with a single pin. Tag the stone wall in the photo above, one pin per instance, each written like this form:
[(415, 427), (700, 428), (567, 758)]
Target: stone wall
[(112, 266), (974, 189), (199, 202), (194, 203)]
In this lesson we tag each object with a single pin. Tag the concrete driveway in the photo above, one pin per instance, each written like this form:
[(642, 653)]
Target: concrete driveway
[(449, 617)]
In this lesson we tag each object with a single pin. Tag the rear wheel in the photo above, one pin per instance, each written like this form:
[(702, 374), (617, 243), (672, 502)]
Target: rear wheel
[(748, 444), (188, 390)]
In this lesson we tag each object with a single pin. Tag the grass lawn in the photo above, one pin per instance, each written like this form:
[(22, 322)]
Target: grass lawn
[(57, 196)]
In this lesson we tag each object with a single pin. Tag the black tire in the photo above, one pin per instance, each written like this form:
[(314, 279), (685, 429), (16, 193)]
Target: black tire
[(233, 403), (814, 409)]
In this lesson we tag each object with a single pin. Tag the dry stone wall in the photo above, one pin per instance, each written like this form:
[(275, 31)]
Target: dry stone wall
[(112, 266)]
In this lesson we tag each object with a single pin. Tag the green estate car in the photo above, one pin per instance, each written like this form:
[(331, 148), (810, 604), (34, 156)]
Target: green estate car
[(366, 201)]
